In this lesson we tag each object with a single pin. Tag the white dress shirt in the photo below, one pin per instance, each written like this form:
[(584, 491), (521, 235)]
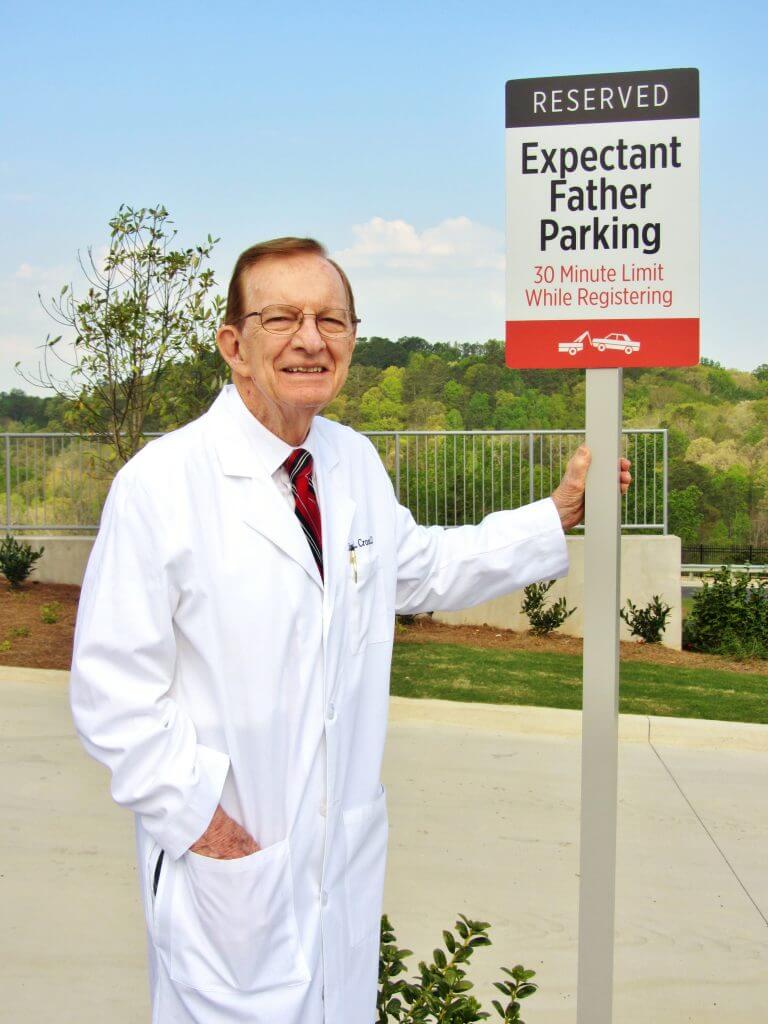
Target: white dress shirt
[(270, 449)]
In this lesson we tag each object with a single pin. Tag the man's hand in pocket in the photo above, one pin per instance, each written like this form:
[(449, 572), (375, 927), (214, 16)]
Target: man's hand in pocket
[(224, 839)]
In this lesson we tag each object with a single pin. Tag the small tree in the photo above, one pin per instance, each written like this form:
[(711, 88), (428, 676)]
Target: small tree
[(544, 620), (147, 305), (649, 622)]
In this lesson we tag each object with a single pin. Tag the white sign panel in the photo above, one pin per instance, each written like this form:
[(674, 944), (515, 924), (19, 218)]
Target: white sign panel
[(603, 220)]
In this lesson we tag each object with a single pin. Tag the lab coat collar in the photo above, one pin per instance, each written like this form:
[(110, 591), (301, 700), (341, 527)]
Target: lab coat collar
[(243, 451), (245, 447)]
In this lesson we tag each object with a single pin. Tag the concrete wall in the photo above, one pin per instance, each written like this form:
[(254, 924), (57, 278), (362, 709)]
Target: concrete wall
[(63, 560), (649, 565)]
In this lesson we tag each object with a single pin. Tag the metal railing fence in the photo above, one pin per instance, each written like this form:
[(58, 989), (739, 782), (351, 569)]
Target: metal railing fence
[(57, 482), (449, 478)]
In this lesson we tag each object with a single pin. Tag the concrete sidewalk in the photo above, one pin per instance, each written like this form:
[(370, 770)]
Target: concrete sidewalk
[(484, 820)]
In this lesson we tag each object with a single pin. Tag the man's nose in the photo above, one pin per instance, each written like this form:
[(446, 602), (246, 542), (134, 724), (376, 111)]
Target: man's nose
[(308, 335)]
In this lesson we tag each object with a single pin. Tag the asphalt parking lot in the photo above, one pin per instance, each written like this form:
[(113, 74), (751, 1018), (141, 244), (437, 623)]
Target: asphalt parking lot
[(483, 820)]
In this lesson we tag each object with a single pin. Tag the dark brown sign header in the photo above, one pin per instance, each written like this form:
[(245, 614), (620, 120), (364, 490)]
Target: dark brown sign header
[(600, 99)]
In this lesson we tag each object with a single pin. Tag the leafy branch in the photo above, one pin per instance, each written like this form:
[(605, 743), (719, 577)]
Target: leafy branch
[(440, 994)]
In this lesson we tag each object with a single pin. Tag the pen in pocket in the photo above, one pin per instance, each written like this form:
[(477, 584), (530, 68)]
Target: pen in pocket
[(353, 559)]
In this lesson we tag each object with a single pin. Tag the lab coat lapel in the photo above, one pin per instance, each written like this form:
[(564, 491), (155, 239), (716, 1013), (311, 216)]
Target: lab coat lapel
[(337, 508), (258, 500), (265, 511)]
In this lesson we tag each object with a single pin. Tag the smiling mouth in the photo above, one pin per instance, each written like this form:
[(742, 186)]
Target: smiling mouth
[(305, 369)]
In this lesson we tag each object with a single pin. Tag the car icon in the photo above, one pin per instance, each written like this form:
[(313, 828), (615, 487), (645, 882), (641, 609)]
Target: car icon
[(572, 347), (616, 342)]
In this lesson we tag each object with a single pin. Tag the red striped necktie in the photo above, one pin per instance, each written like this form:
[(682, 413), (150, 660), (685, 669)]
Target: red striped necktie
[(299, 467)]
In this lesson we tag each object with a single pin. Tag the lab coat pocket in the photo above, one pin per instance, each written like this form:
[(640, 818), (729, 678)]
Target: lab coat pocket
[(233, 923), (365, 830), (367, 614), (154, 873)]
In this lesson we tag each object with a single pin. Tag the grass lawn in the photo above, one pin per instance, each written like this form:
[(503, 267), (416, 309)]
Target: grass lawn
[(544, 679)]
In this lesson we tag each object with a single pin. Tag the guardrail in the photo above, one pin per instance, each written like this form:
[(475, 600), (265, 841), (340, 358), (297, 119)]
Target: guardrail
[(724, 554), (695, 569), (57, 482)]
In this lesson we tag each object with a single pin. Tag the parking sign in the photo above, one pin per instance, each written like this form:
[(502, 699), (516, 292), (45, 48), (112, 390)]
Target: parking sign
[(603, 220)]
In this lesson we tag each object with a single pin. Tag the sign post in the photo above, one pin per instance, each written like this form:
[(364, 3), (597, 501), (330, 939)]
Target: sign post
[(602, 273), (600, 700)]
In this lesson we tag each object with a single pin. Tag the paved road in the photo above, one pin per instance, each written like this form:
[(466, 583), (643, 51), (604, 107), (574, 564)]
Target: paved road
[(484, 820)]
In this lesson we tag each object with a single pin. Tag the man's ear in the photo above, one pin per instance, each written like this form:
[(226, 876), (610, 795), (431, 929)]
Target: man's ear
[(230, 344)]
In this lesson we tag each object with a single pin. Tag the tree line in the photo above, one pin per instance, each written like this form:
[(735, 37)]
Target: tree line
[(145, 359)]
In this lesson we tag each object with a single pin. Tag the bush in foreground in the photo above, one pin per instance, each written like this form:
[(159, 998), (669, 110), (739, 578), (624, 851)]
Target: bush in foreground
[(649, 622), (729, 616), (17, 560), (544, 620), (440, 993)]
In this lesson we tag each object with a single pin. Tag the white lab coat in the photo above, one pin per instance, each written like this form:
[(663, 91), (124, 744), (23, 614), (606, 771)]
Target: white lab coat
[(211, 665)]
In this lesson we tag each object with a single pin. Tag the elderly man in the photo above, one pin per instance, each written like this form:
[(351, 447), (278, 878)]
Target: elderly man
[(232, 656)]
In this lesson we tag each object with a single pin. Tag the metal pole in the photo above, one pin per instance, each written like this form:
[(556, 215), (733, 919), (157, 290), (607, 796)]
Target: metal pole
[(666, 482), (397, 466), (7, 483), (600, 714), (531, 493)]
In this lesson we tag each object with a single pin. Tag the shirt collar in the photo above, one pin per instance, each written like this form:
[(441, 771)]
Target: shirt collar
[(271, 450)]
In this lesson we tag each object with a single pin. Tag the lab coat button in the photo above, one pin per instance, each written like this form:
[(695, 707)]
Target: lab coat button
[(324, 898), (331, 711)]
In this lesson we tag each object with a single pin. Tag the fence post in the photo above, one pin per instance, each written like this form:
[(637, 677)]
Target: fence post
[(7, 483), (397, 465), (531, 488), (665, 487)]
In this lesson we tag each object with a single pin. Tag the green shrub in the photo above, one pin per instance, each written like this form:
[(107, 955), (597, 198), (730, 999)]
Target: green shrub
[(17, 560), (649, 622), (50, 613), (5, 645), (544, 620), (440, 991), (20, 631), (729, 616)]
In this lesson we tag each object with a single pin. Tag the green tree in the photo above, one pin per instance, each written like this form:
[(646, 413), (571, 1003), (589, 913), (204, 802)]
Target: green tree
[(426, 414), (381, 407), (511, 412), (453, 394), (733, 491), (686, 514), (479, 412), (146, 305)]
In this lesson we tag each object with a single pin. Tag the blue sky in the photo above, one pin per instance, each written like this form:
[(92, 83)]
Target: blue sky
[(377, 128)]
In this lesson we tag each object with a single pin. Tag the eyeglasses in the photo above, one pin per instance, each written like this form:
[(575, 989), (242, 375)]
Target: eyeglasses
[(331, 323)]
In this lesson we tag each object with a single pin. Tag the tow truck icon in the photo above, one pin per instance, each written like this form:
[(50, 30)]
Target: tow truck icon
[(616, 342)]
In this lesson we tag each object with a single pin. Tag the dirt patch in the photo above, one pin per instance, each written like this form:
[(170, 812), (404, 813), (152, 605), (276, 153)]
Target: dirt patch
[(34, 643), (49, 644), (425, 630)]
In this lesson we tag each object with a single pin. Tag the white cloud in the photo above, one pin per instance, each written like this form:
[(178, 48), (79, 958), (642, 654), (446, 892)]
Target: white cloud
[(396, 244), (40, 277), (445, 282)]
